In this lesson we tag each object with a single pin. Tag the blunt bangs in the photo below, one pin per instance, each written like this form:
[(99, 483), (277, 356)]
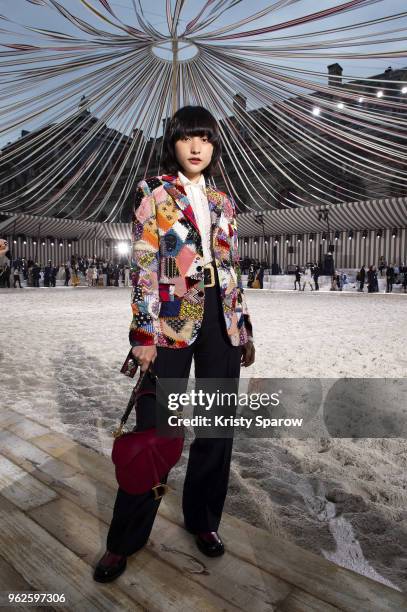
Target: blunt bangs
[(191, 121)]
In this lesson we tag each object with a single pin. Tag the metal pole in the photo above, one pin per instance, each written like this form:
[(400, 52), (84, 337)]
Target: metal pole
[(174, 74), (38, 239), (329, 238), (266, 250)]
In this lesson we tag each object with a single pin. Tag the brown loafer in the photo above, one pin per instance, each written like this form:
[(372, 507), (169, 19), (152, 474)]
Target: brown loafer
[(109, 567)]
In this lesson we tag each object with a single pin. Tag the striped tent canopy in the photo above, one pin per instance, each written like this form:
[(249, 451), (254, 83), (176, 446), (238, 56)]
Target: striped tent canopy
[(370, 214), (94, 95), (40, 227)]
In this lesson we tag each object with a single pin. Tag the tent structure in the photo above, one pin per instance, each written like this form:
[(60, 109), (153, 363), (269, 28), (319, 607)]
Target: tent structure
[(41, 227), (289, 137), (373, 214)]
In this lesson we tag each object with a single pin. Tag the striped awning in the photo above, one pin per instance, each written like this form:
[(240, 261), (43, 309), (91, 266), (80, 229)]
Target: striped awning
[(34, 226), (371, 214)]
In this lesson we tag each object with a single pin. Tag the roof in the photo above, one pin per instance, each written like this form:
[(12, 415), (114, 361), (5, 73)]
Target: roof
[(370, 214)]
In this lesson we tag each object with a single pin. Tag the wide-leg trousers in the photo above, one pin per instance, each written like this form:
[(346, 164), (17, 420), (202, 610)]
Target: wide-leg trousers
[(207, 475)]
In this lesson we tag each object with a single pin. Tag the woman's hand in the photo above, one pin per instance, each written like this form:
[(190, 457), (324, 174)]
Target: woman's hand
[(144, 355), (247, 354)]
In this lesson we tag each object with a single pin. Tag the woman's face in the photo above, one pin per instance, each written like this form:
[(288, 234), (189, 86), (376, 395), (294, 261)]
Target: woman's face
[(191, 147)]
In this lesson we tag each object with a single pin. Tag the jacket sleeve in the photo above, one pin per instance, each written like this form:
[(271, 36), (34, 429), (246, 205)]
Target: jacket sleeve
[(236, 266), (145, 302)]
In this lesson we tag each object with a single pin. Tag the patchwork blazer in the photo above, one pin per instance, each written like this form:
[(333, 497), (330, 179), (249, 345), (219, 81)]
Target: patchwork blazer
[(167, 266)]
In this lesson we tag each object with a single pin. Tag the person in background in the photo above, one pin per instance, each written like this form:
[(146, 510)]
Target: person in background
[(24, 269), (382, 265), (260, 276), (127, 276), (53, 277), (307, 278), (16, 277), (251, 275), (105, 273), (36, 274), (404, 278), (67, 275), (116, 275), (109, 273), (389, 278), (397, 274), (370, 280), (89, 276), (362, 277), (375, 280), (30, 279), (297, 278), (75, 275), (100, 281), (47, 273), (5, 272), (315, 276)]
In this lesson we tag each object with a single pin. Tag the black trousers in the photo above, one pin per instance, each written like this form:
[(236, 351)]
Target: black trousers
[(207, 475)]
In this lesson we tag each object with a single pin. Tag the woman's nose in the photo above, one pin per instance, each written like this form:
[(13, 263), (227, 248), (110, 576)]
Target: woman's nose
[(195, 147)]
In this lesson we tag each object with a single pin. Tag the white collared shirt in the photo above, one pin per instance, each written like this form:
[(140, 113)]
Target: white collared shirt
[(196, 193)]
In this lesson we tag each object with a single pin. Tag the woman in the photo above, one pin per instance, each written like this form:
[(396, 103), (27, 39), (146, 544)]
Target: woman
[(89, 276), (94, 275), (187, 302), (307, 278), (75, 281), (251, 276)]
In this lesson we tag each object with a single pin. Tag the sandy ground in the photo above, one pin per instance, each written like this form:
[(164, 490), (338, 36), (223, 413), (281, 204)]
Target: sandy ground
[(346, 499)]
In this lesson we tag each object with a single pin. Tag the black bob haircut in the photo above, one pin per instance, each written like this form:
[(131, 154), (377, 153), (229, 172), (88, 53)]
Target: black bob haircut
[(190, 121)]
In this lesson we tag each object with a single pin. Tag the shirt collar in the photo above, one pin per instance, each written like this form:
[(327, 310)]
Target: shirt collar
[(185, 181)]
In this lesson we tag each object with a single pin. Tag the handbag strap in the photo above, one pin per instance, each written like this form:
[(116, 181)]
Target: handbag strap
[(135, 394)]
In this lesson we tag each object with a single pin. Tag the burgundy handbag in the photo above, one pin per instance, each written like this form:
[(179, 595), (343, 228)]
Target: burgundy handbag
[(142, 458)]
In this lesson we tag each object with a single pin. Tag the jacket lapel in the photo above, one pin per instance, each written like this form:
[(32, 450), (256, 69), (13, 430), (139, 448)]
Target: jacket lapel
[(175, 188)]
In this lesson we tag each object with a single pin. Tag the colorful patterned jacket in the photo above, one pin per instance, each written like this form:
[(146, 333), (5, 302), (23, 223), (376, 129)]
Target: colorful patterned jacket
[(167, 266)]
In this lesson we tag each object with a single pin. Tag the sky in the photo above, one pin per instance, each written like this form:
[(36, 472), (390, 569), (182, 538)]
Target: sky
[(22, 12)]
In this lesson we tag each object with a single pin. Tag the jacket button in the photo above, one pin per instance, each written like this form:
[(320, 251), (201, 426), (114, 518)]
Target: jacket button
[(200, 293), (199, 268)]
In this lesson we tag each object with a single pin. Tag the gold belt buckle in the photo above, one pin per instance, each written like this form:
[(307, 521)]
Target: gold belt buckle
[(209, 266), (156, 493)]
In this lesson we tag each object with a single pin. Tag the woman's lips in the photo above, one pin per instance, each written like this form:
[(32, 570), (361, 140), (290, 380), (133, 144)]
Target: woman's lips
[(194, 161)]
